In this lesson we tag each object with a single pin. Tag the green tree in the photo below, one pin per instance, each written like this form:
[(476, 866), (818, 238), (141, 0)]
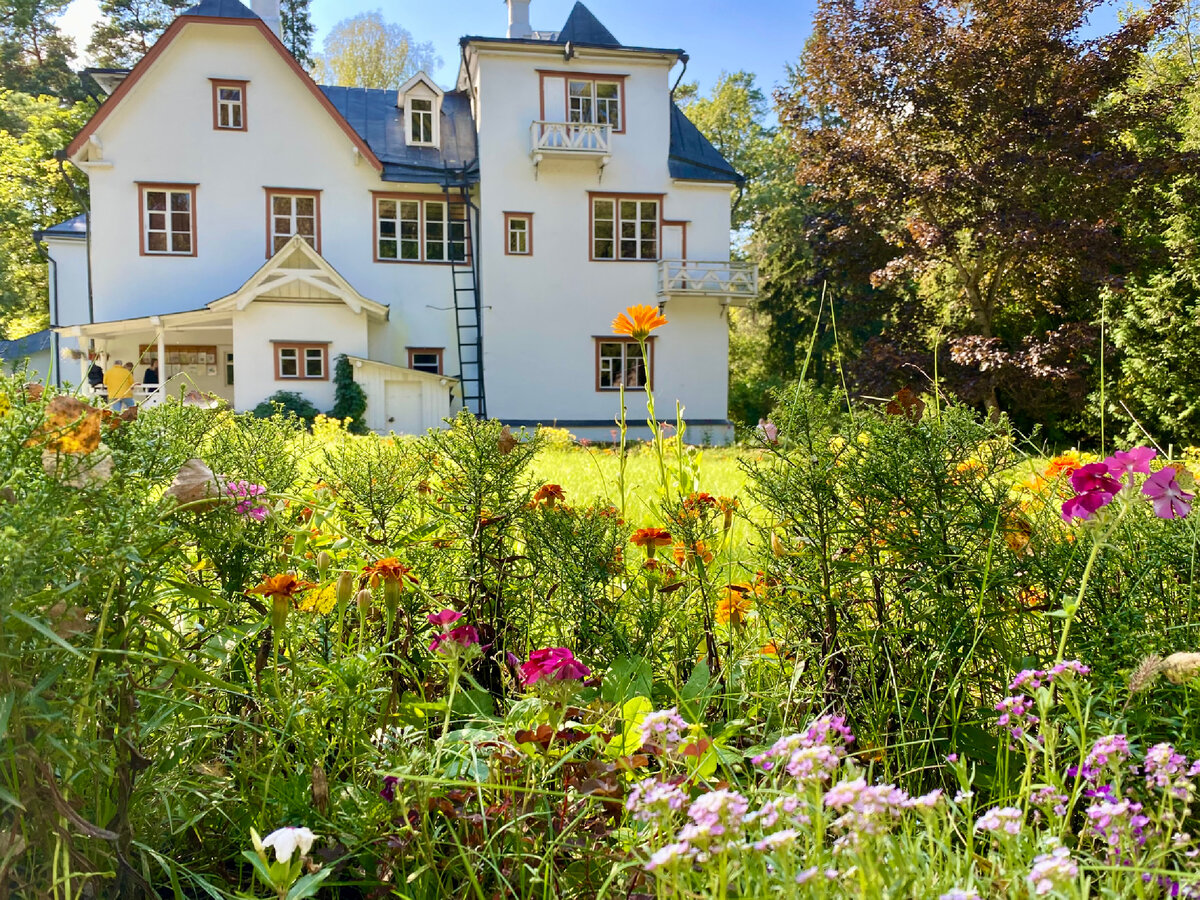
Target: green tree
[(349, 398), (976, 139), (35, 57), (368, 51), (129, 28), (298, 30), (32, 195)]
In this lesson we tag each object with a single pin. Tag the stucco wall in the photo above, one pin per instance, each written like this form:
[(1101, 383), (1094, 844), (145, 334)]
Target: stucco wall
[(70, 258)]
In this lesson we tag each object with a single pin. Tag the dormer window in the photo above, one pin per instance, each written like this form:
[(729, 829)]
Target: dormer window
[(229, 104), (421, 101)]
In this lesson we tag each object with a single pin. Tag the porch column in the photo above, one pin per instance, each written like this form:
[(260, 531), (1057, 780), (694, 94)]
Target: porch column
[(162, 352)]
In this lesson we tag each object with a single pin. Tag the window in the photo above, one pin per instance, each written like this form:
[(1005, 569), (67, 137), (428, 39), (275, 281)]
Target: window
[(308, 361), (414, 229), (292, 212), (229, 105), (594, 102), (420, 121), (518, 231), (619, 364), (625, 227), (229, 368), (168, 219), (425, 359)]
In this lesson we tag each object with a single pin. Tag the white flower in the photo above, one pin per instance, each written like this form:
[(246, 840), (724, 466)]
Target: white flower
[(286, 840)]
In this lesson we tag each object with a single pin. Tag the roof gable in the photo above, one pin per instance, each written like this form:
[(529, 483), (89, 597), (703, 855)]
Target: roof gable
[(582, 27), (420, 78), (299, 274), (692, 157), (230, 17)]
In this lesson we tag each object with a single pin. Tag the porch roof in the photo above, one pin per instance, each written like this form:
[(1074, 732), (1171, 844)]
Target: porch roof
[(192, 318)]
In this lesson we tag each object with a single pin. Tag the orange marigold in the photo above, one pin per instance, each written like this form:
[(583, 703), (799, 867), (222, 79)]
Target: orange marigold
[(649, 538), (284, 585), (638, 321), (733, 608), (1063, 464), (697, 550), (548, 494), (385, 570)]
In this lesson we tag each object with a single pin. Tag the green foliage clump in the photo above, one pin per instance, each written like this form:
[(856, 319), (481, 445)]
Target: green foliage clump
[(288, 403), (349, 399)]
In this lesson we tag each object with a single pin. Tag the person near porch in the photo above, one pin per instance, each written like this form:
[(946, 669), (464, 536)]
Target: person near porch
[(150, 376), (119, 381), (95, 375)]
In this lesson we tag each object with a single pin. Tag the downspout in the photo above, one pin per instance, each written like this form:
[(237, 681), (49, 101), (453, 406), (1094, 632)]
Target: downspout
[(60, 156)]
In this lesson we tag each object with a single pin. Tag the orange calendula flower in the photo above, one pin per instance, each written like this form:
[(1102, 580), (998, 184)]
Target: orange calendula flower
[(733, 608), (638, 322), (285, 585), (1063, 464), (385, 571), (548, 494)]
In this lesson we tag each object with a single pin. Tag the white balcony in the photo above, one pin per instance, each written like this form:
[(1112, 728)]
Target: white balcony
[(734, 283), (570, 139)]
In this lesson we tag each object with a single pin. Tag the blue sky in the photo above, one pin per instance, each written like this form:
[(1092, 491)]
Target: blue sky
[(760, 36)]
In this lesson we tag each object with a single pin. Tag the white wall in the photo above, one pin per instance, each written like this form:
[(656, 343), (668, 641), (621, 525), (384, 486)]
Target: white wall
[(70, 258), (546, 309), (262, 322)]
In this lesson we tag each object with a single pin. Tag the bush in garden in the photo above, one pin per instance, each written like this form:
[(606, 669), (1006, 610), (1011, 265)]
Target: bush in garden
[(288, 403), (349, 399)]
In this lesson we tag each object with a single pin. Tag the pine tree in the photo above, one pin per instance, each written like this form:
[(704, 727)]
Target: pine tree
[(35, 57), (130, 28), (298, 30)]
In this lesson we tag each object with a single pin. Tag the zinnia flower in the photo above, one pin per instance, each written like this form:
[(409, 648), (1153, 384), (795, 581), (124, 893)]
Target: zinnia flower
[(638, 322), (553, 664), (1170, 500)]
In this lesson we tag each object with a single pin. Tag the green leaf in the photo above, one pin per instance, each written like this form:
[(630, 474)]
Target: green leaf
[(630, 739), (10, 799), (307, 886), (43, 629), (260, 867), (628, 676), (6, 708), (473, 703)]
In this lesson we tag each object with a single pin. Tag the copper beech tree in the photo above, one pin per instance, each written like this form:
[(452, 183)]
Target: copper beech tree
[(985, 141)]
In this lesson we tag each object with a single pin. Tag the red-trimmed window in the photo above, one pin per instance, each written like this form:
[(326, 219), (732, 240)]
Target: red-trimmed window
[(625, 228), (412, 228), (595, 101), (619, 364), (168, 219), (308, 361), (518, 234), (229, 104), (425, 359), (291, 212)]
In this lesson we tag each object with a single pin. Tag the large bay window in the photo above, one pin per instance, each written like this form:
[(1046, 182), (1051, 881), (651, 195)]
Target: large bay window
[(168, 219), (625, 227), (619, 364), (413, 228)]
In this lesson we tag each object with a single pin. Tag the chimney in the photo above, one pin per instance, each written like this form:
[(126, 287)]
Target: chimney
[(518, 19), (268, 11)]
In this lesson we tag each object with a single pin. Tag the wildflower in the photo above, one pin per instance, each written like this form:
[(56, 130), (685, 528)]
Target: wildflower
[(1111, 748), (1165, 769), (386, 571), (444, 618), (287, 840), (733, 608), (280, 590), (655, 801), (245, 492), (1146, 673), (717, 821), (1084, 506), (1181, 668), (727, 506), (960, 894), (1008, 819), (1063, 464), (669, 855), (1049, 796), (869, 809), (769, 813), (1116, 820), (452, 642), (1052, 870), (664, 728), (1094, 487), (388, 791), (1016, 714), (699, 501), (1130, 462), (638, 321), (553, 664), (692, 552), (549, 494), (777, 840), (1170, 500), (650, 539), (320, 601)]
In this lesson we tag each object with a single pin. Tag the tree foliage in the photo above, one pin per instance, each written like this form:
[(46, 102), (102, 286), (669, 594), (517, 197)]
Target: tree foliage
[(977, 140), (35, 57), (349, 398), (298, 29), (368, 51), (129, 28)]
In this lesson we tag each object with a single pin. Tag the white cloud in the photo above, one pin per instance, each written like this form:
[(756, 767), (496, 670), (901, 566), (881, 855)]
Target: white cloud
[(77, 23)]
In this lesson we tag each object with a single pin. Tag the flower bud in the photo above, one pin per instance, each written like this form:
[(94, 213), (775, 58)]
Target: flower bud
[(391, 593), (363, 598), (280, 604), (345, 587), (324, 561)]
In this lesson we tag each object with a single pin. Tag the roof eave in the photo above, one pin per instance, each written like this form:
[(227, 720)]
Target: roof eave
[(517, 45)]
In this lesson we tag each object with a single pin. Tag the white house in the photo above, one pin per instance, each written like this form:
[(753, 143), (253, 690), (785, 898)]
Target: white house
[(467, 246)]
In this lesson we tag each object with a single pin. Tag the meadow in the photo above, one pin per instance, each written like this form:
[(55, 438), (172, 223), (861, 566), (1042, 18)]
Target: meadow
[(878, 650)]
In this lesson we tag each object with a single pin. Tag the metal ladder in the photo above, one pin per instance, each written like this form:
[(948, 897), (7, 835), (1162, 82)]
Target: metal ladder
[(468, 310)]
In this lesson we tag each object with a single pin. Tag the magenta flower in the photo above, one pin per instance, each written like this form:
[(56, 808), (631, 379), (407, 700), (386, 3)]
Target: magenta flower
[(1085, 505), (1130, 462), (463, 636), (553, 664), (444, 618), (1170, 500), (1094, 477)]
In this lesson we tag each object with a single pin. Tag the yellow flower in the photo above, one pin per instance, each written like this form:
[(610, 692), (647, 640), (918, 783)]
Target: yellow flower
[(638, 322), (320, 601)]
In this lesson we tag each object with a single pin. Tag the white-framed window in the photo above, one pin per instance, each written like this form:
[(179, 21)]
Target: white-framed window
[(425, 359), (625, 228), (518, 230), (619, 364), (229, 105), (302, 362), (415, 229), (168, 220), (420, 120), (397, 229), (292, 213), (594, 102), (445, 231)]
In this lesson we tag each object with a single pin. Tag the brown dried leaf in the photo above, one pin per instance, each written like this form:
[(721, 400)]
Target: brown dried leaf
[(195, 482), (70, 426), (78, 471), (507, 443), (907, 404), (33, 392), (68, 621)]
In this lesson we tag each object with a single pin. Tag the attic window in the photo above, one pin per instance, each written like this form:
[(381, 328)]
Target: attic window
[(229, 105), (420, 121)]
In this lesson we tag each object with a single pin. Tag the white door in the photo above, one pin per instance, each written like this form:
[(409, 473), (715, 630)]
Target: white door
[(402, 407)]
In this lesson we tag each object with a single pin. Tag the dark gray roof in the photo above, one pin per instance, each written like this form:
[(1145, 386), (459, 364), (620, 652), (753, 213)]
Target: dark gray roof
[(26, 346), (374, 115), (220, 9), (584, 28), (72, 228), (692, 157)]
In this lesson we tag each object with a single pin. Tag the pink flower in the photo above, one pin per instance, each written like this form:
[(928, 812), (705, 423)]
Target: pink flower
[(1170, 500), (463, 636), (444, 618), (1085, 505), (553, 664), (1094, 477), (1130, 462)]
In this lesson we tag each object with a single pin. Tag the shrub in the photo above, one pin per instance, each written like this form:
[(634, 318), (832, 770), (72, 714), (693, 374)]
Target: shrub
[(349, 399), (288, 403)]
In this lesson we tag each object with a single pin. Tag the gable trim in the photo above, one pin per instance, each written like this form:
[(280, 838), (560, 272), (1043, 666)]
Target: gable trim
[(170, 34)]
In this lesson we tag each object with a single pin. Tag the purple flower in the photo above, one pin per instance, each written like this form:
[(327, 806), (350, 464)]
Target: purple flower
[(1170, 500), (1111, 748), (664, 728), (1008, 819), (245, 492), (655, 801), (1052, 870), (1165, 769), (1130, 462), (444, 618), (1085, 505), (388, 792), (553, 664), (1094, 477)]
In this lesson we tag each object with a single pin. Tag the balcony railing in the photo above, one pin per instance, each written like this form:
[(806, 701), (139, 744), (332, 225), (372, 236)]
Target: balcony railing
[(570, 139), (736, 283)]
